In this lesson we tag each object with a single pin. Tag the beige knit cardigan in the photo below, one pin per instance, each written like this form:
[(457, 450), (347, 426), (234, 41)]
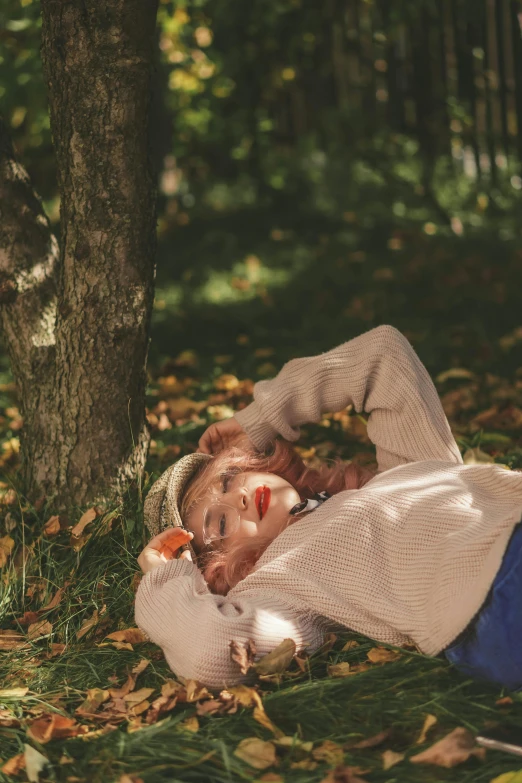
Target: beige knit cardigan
[(409, 558)]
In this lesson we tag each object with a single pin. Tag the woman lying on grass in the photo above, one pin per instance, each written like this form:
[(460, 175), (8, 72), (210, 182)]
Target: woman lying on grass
[(427, 551)]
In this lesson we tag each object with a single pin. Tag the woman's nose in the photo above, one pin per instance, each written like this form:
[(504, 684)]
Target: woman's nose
[(239, 498)]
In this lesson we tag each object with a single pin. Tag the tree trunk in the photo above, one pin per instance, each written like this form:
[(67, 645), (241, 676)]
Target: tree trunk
[(90, 435)]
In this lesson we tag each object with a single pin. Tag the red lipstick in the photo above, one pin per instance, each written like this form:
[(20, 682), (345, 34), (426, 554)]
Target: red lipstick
[(262, 500)]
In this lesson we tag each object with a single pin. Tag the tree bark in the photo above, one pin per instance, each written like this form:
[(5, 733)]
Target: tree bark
[(90, 436)]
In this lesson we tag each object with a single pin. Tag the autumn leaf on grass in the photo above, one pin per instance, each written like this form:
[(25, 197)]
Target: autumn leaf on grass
[(453, 749), (383, 655), (195, 691), (13, 693), (476, 457), (14, 765), (53, 726), (429, 721), (39, 629), (342, 774), (256, 752), (119, 693), (52, 526), (508, 777), (90, 622), (78, 538), (370, 742), (12, 640), (339, 669), (170, 691), (6, 547), (190, 724), (95, 698), (34, 762), (123, 640), (278, 660), (330, 752), (243, 653), (390, 758)]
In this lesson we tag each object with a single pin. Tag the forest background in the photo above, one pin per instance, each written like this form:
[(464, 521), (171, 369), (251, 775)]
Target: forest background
[(322, 169)]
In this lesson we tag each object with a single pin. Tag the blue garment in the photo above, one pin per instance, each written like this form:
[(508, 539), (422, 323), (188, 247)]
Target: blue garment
[(490, 648)]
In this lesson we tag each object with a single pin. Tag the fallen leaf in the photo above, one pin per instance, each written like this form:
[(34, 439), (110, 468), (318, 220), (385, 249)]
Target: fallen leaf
[(370, 742), (135, 697), (226, 382), (256, 753), (261, 717), (39, 629), (34, 763), (57, 597), (132, 635), (14, 765), (339, 669), (509, 777), (13, 693), (6, 547), (343, 774), (243, 653), (53, 726), (429, 721), (52, 526), (455, 748), (390, 758), (57, 648), (12, 640), (382, 655), (304, 764), (86, 519), (196, 692), (350, 645), (190, 724), (8, 720), (90, 622), (505, 701), (95, 698), (330, 752), (28, 618), (270, 777), (278, 660)]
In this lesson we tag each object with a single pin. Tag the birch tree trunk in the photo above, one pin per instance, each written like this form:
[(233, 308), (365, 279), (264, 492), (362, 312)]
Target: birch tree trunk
[(85, 433)]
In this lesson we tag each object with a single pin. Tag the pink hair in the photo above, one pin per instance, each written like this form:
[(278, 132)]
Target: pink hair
[(224, 568)]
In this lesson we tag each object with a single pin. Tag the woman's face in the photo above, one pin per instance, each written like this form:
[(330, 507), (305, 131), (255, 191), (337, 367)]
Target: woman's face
[(241, 506)]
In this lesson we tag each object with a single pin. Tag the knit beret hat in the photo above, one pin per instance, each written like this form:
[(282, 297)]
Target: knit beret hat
[(161, 507)]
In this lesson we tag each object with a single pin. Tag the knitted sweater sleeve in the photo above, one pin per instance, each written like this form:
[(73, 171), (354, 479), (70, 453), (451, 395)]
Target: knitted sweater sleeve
[(379, 373), (195, 627)]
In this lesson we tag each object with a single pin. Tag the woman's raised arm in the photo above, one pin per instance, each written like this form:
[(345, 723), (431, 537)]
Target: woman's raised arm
[(195, 627), (379, 373)]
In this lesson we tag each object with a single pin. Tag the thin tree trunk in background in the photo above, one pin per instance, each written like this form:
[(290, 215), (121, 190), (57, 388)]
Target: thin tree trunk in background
[(92, 436)]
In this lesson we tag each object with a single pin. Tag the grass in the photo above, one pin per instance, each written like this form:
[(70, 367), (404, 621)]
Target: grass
[(242, 294)]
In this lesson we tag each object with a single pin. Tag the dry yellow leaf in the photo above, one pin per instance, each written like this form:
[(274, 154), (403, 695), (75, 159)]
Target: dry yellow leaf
[(429, 721), (261, 717), (196, 691), (39, 629), (350, 645), (339, 669), (13, 693), (14, 765), (278, 660), (131, 635), (304, 764), (6, 547), (382, 655), (190, 724), (330, 752), (390, 758), (95, 698), (256, 753), (135, 697), (85, 520), (455, 748), (52, 526), (12, 640), (226, 382)]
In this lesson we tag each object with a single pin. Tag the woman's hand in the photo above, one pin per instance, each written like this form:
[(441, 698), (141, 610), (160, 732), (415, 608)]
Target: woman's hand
[(163, 547), (222, 435)]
